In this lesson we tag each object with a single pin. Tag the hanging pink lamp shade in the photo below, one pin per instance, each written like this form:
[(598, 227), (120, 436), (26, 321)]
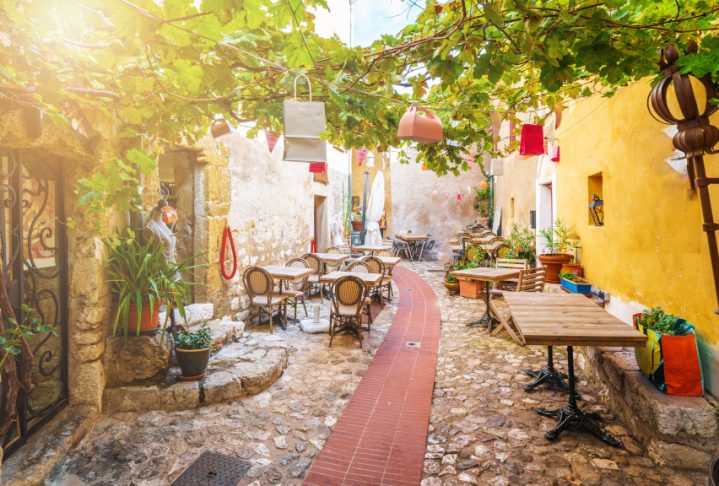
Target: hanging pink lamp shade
[(483, 185), (425, 128), (532, 140), (219, 126)]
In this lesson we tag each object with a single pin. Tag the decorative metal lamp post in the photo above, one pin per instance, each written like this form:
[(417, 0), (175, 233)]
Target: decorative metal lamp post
[(695, 137), (597, 210)]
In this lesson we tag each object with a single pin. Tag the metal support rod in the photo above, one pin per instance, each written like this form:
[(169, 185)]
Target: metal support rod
[(570, 374), (709, 223), (364, 206)]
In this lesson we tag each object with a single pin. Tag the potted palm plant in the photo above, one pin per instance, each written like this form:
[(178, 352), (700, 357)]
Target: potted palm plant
[(192, 349), (558, 243), (521, 243), (142, 279), (483, 204)]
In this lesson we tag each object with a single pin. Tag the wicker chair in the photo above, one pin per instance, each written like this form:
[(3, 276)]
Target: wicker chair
[(313, 281), (347, 300), (375, 265), (331, 267), (260, 285), (362, 267), (295, 291)]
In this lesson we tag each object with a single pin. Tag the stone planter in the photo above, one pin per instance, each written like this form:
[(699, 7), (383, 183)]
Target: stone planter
[(553, 263), (193, 362)]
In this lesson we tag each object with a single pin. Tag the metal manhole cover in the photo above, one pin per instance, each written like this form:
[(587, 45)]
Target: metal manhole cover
[(412, 344), (212, 469)]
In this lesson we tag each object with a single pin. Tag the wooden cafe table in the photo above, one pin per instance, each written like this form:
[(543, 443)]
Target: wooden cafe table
[(489, 276), (371, 248), (369, 279), (290, 274), (330, 258), (416, 241), (569, 320)]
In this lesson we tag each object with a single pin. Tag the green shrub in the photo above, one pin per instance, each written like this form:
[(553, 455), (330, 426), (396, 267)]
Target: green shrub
[(200, 339)]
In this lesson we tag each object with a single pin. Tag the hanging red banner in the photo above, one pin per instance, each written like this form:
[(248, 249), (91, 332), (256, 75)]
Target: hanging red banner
[(555, 153), (272, 139)]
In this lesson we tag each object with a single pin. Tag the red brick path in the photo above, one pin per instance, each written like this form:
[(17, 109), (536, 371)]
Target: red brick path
[(380, 438)]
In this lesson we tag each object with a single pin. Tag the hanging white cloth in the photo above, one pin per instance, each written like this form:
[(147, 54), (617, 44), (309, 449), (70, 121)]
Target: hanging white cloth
[(374, 211)]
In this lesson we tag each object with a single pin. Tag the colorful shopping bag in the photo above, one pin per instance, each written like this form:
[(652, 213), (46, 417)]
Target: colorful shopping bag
[(671, 362), (532, 140)]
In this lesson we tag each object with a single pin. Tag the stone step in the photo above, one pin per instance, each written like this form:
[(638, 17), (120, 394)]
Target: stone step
[(237, 370), (224, 331), (195, 313)]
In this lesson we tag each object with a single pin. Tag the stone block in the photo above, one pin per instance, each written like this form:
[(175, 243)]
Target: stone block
[(142, 357), (131, 398), (222, 386), (195, 313), (92, 352), (180, 396), (86, 383), (679, 456)]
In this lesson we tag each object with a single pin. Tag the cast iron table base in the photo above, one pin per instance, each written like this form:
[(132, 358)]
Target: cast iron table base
[(572, 417), (548, 376), (486, 319)]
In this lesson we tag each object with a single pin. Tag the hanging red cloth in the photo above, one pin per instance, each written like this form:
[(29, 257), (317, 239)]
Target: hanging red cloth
[(532, 141), (555, 153), (318, 167), (227, 239)]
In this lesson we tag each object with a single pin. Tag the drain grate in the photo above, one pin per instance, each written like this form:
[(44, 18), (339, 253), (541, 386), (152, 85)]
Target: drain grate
[(412, 344), (212, 469)]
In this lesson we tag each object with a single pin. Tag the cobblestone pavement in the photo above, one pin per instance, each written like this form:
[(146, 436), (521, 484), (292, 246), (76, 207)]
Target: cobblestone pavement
[(279, 430), (483, 427)]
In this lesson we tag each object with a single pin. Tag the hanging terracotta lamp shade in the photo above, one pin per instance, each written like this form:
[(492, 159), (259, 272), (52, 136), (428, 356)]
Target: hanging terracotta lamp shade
[(425, 128), (532, 140), (483, 185), (219, 126)]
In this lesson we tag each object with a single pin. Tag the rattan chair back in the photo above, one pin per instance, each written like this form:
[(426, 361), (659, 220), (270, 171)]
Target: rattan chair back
[(298, 263), (258, 283), (374, 264), (348, 296), (358, 267), (532, 280), (314, 262)]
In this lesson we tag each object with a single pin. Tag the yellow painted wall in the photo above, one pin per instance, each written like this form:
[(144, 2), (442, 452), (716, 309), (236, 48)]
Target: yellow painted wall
[(358, 182), (652, 249)]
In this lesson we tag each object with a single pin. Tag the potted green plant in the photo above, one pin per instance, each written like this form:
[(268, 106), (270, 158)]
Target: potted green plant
[(450, 282), (142, 279), (558, 242), (192, 349), (521, 243), (574, 283), (483, 204)]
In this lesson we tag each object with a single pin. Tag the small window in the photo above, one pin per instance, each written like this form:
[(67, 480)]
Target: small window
[(595, 199), (511, 208)]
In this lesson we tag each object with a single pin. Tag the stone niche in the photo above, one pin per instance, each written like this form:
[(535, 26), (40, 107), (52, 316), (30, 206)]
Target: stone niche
[(677, 431), (141, 358)]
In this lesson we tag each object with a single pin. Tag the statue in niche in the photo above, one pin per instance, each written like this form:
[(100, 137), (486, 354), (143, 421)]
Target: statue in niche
[(156, 230)]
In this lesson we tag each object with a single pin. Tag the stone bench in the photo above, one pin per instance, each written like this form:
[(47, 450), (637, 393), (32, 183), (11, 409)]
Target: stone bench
[(679, 431)]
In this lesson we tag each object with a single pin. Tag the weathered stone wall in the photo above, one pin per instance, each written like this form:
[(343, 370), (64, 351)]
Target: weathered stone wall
[(425, 203), (677, 431), (267, 202)]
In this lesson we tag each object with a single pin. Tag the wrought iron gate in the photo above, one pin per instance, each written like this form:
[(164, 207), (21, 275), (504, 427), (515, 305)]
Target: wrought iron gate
[(34, 258)]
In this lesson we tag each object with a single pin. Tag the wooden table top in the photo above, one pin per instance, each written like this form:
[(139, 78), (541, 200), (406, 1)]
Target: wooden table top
[(288, 273), (413, 237), (371, 248), (389, 261), (331, 257), (486, 274), (568, 320), (369, 279)]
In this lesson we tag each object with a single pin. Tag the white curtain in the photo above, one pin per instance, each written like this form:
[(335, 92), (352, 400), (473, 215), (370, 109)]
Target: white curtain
[(374, 211)]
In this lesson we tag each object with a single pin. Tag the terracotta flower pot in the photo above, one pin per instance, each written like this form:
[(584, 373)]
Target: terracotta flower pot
[(553, 263), (574, 268), (193, 362), (356, 225), (149, 318), (470, 289)]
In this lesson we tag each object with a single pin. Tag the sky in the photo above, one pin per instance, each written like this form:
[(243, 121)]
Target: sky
[(371, 19)]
